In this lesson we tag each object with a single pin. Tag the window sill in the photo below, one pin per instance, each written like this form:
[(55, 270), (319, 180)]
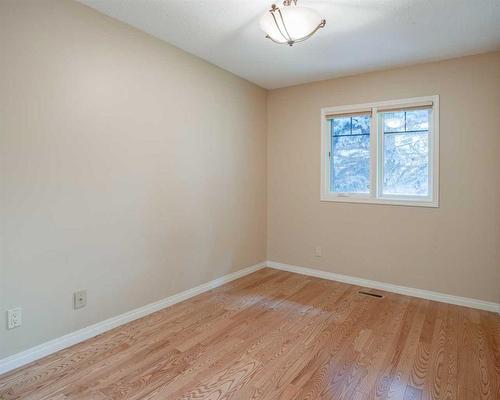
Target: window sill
[(383, 201)]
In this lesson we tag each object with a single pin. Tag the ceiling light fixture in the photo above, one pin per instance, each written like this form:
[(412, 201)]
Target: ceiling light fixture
[(291, 24)]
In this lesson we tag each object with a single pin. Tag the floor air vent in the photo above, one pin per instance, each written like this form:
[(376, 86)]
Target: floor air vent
[(370, 294)]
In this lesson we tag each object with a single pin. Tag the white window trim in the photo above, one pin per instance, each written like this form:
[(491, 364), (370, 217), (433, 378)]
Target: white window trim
[(376, 148)]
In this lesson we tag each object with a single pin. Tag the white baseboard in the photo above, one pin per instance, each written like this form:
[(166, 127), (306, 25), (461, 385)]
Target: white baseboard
[(45, 349), (389, 287)]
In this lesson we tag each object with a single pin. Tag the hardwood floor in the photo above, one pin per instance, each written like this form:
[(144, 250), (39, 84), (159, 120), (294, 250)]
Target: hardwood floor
[(278, 335)]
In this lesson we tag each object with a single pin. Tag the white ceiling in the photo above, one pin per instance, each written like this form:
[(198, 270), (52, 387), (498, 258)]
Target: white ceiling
[(360, 35)]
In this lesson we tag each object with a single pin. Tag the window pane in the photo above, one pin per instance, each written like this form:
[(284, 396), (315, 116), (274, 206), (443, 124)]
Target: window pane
[(341, 126), (361, 125), (417, 120), (350, 160), (394, 121), (406, 153)]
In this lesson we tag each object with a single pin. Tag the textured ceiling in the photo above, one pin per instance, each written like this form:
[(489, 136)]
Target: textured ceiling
[(360, 35)]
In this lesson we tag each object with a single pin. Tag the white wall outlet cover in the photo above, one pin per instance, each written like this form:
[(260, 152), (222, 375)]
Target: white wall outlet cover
[(79, 299), (14, 318), (317, 251)]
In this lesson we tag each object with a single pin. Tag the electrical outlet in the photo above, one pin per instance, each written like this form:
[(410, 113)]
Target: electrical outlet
[(317, 251), (14, 318), (79, 299)]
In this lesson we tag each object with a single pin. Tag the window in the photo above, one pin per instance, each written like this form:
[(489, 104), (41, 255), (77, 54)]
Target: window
[(385, 152)]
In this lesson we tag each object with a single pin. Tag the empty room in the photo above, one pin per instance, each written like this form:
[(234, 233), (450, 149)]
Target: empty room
[(241, 200)]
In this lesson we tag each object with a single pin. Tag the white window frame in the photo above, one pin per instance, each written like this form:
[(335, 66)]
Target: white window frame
[(375, 196)]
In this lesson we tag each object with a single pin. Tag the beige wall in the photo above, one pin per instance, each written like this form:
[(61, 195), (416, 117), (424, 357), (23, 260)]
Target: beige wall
[(453, 249), (127, 167)]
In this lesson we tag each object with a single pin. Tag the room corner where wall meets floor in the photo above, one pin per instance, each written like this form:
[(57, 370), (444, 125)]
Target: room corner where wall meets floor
[(388, 287)]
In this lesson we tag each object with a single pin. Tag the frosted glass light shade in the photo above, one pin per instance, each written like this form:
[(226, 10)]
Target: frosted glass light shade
[(295, 23)]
